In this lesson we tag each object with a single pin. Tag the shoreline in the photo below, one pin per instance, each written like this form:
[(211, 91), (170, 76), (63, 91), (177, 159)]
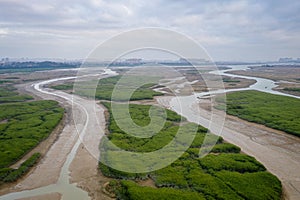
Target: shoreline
[(276, 150)]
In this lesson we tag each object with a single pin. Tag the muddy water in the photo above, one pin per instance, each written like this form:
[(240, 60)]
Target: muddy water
[(278, 151), (63, 185), (262, 84), (184, 106)]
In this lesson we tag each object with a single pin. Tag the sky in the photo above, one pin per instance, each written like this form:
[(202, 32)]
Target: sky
[(228, 30)]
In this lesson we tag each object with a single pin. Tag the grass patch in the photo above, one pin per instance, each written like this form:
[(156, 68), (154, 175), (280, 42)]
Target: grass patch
[(24, 126), (230, 80), (106, 86), (129, 190), (275, 111), (8, 94), (11, 175), (248, 185), (292, 89), (66, 86), (231, 162), (189, 177)]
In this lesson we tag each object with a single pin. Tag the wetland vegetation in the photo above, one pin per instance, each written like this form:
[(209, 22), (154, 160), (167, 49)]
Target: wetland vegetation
[(23, 125), (105, 89), (275, 111), (225, 173)]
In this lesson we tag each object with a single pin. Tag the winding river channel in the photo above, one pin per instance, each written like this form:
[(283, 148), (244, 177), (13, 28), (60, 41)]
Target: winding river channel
[(184, 107), (278, 151)]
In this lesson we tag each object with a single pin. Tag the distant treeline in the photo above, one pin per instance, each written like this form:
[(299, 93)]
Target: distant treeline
[(10, 67)]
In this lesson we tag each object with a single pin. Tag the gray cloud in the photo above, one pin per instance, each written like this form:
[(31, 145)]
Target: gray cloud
[(230, 30)]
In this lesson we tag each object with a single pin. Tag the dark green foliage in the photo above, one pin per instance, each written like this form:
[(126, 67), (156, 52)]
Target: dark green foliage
[(10, 175), (113, 173), (231, 162), (171, 176), (189, 177), (13, 67), (210, 139), (4, 172), (226, 148), (230, 80), (140, 115), (210, 186), (8, 94), (275, 111), (292, 89), (24, 125), (105, 88), (249, 185), (131, 191), (66, 86)]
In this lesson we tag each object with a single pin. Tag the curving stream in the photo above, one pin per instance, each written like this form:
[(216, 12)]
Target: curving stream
[(278, 152), (63, 185), (262, 84), (180, 104)]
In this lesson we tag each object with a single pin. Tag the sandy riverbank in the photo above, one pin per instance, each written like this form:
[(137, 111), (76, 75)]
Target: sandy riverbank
[(84, 167), (48, 170), (279, 152)]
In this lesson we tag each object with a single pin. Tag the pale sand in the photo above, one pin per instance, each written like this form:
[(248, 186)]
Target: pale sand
[(84, 167), (85, 174)]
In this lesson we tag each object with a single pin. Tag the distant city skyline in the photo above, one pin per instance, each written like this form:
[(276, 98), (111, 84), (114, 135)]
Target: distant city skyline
[(228, 30)]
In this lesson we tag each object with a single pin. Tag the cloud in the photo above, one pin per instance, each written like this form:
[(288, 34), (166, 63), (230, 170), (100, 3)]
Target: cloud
[(3, 32), (218, 25)]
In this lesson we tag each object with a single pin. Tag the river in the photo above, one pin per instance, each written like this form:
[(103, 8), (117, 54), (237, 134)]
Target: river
[(63, 185), (277, 151), (181, 105)]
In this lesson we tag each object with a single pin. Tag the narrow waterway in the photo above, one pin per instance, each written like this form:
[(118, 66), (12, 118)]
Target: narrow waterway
[(63, 185), (279, 152), (182, 105), (262, 84)]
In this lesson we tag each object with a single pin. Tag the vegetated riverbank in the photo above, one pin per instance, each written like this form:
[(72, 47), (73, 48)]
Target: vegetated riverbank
[(189, 176), (79, 162), (285, 76), (52, 174), (105, 88), (23, 126), (208, 187), (275, 111)]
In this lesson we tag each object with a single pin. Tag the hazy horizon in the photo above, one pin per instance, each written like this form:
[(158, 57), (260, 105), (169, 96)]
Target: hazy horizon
[(228, 30)]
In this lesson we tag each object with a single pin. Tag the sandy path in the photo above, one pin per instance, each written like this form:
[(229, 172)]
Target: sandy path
[(278, 151)]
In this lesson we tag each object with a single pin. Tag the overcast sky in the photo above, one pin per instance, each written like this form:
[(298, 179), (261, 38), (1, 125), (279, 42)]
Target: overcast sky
[(229, 30)]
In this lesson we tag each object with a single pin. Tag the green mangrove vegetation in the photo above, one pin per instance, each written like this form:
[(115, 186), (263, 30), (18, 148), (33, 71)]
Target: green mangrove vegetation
[(292, 89), (215, 176), (275, 111), (23, 126), (106, 86), (11, 175), (230, 80), (8, 93)]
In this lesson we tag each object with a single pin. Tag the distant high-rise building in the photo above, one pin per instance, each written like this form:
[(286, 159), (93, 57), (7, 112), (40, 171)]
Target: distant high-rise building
[(285, 60)]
